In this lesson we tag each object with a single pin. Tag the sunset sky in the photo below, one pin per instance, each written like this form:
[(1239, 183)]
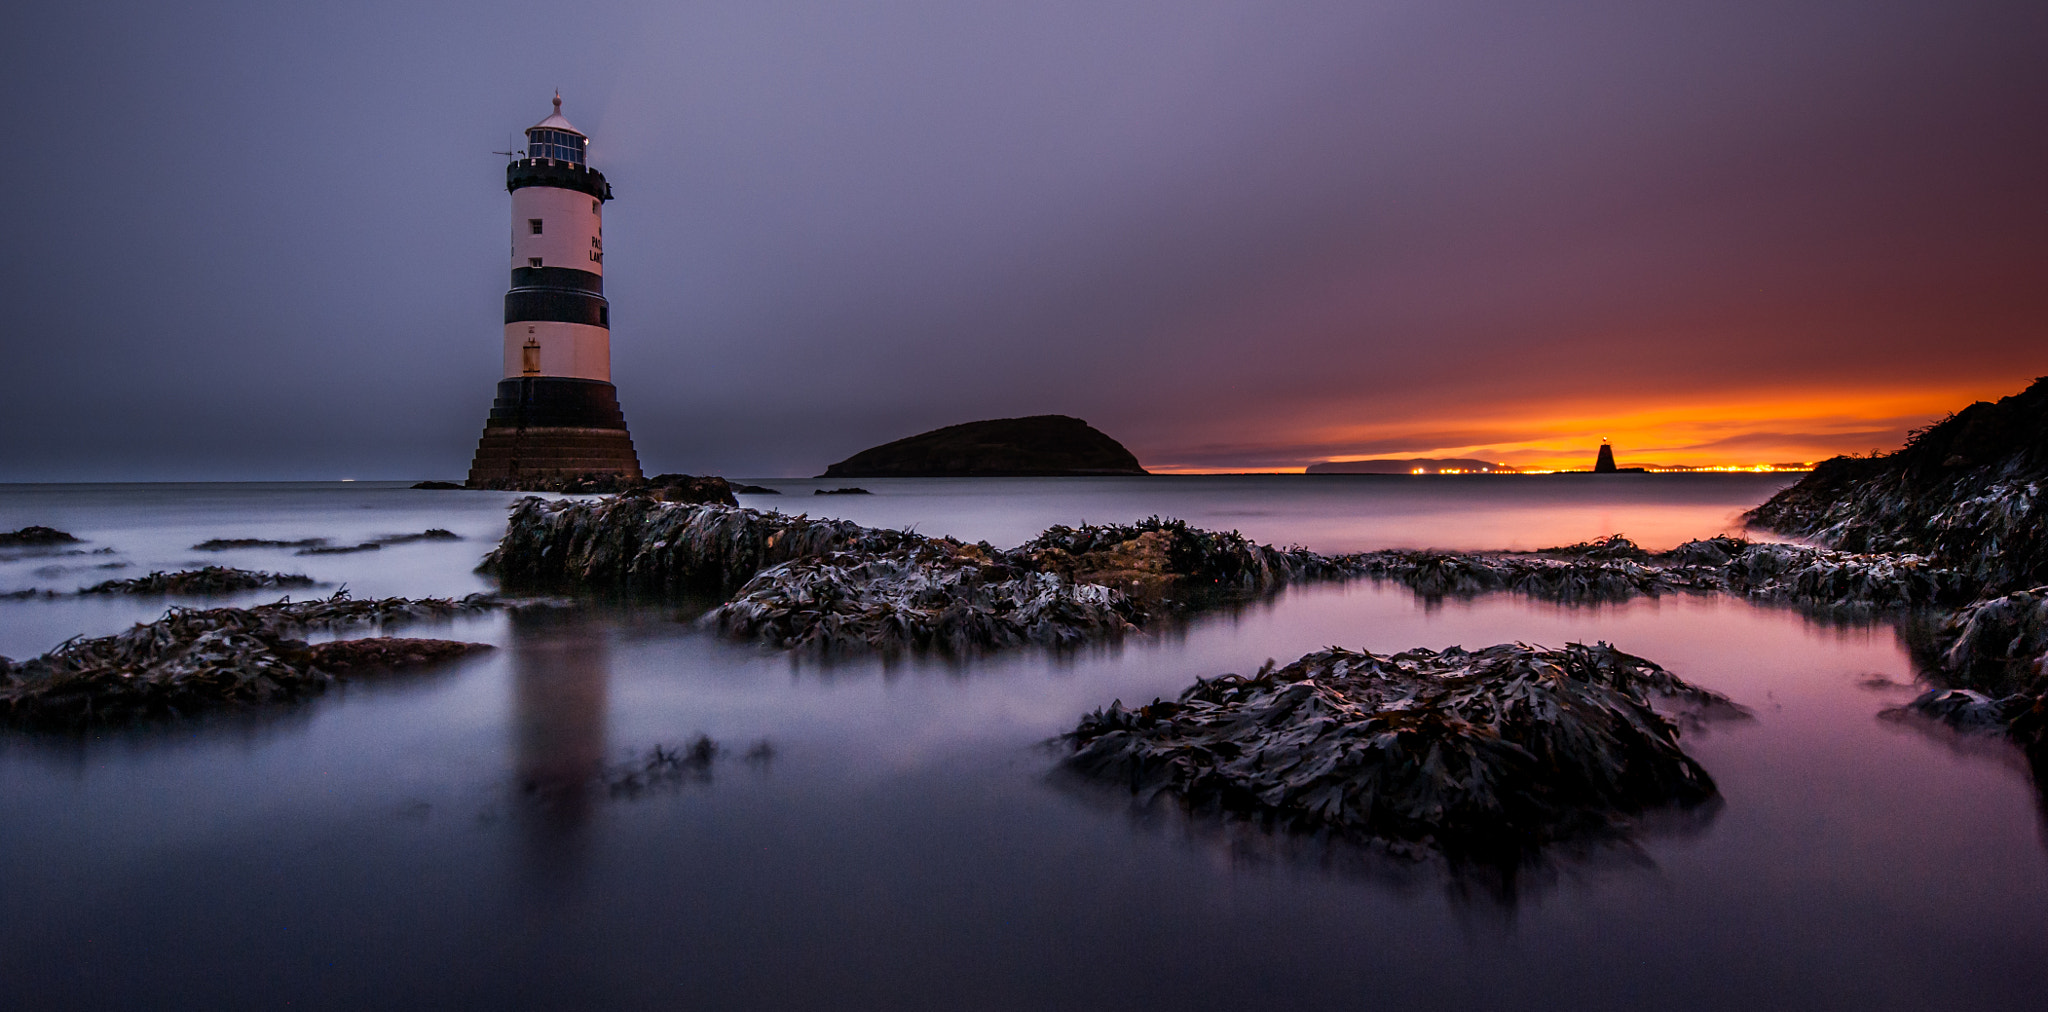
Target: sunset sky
[(268, 240)]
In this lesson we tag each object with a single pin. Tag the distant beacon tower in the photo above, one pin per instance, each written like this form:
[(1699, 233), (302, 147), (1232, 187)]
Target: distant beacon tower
[(1604, 464), (557, 414)]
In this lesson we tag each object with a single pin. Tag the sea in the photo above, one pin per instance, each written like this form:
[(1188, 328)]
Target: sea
[(897, 833)]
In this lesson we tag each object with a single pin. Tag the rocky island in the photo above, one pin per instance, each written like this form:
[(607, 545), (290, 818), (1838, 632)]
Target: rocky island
[(1037, 446)]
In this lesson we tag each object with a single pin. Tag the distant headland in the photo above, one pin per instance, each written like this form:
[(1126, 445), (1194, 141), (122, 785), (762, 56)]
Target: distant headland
[(1035, 446)]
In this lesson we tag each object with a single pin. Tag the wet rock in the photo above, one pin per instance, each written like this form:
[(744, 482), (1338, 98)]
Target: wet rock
[(438, 485), (209, 580), (1459, 751), (842, 491), (192, 660), (367, 546), (742, 488), (35, 537)]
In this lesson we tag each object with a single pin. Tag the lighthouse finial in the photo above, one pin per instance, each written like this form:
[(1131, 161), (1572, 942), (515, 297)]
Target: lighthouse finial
[(558, 101)]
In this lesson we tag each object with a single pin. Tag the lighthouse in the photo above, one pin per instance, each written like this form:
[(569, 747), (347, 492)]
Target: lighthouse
[(556, 414)]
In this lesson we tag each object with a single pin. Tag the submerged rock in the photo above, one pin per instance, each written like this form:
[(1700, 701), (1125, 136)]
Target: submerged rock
[(440, 486), (192, 660), (842, 491), (1461, 751), (209, 580), (35, 537), (224, 544)]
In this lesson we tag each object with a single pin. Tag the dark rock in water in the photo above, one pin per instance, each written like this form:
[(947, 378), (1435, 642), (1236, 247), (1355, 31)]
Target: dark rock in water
[(1465, 752), (439, 485), (1002, 447), (430, 534), (367, 546), (210, 580), (194, 660), (1967, 492), (35, 537), (842, 491), (224, 544), (742, 488), (687, 488)]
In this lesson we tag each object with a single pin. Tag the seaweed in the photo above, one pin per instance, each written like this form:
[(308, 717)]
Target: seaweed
[(1463, 752)]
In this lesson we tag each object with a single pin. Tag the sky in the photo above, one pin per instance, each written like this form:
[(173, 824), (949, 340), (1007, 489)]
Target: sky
[(267, 241)]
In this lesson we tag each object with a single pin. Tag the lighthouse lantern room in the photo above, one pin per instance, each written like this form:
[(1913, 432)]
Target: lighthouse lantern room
[(557, 413)]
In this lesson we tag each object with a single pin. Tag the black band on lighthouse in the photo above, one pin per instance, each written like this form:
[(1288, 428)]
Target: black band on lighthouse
[(556, 402), (528, 305), (558, 277), (565, 175)]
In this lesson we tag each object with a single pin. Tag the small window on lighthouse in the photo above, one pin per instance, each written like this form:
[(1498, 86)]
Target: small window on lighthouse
[(533, 223), (593, 207), (533, 261)]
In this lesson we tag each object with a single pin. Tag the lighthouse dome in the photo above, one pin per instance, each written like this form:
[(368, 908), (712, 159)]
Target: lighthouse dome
[(555, 138)]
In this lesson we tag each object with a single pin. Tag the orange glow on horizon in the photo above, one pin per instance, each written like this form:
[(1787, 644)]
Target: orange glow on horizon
[(1758, 431)]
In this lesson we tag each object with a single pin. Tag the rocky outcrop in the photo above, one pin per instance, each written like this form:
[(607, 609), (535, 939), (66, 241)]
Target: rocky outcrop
[(1001, 447), (1459, 751)]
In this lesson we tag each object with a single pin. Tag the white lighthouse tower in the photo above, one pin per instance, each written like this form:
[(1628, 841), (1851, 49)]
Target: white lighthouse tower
[(556, 414)]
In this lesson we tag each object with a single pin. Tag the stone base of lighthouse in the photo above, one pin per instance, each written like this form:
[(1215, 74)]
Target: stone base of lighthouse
[(550, 428)]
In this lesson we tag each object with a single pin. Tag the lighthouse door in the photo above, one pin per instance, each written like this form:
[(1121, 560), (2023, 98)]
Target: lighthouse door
[(529, 362)]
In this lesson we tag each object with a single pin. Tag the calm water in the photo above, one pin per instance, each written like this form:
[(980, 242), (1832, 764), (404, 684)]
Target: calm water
[(906, 847)]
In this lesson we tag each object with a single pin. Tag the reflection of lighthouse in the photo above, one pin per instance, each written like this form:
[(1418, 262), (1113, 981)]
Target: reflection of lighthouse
[(556, 413)]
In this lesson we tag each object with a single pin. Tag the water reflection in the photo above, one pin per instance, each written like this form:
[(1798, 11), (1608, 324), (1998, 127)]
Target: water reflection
[(561, 671)]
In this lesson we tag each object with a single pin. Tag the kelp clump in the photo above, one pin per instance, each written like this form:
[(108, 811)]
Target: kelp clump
[(1459, 751), (829, 585), (1966, 492), (209, 580), (192, 660), (1615, 569)]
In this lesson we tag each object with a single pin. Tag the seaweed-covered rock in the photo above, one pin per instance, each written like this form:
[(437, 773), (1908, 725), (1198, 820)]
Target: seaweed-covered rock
[(831, 584), (1967, 492), (209, 580), (1464, 751), (35, 537), (636, 544), (1615, 570), (1171, 563), (920, 599), (192, 660)]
